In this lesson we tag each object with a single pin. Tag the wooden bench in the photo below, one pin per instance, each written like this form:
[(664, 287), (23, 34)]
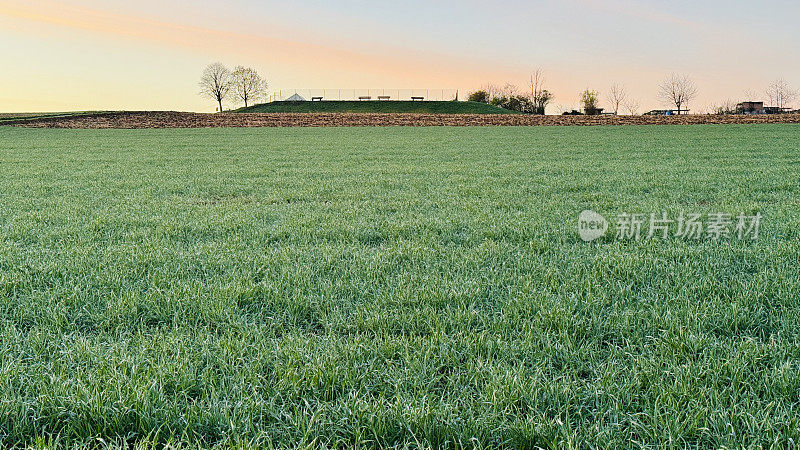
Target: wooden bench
[(414, 99), (383, 97), (366, 97), (316, 99)]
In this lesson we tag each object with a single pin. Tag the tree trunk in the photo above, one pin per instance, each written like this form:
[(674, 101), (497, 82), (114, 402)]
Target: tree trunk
[(220, 105)]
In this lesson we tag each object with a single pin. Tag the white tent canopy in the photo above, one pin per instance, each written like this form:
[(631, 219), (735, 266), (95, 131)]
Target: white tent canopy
[(296, 98)]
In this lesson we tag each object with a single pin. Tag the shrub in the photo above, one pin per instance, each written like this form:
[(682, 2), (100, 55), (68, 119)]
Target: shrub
[(589, 100), (541, 100), (519, 103), (479, 96)]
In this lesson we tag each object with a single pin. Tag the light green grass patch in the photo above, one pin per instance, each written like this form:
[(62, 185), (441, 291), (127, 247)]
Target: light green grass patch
[(410, 287)]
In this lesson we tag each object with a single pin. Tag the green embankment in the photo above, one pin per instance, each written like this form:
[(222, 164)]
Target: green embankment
[(375, 106)]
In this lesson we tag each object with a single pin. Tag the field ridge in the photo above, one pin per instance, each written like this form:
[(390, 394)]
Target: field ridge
[(174, 119)]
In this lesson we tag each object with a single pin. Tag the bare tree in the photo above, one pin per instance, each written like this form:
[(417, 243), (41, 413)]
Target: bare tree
[(632, 106), (537, 82), (539, 95), (750, 95), (216, 83), (726, 107), (678, 90), (509, 90), (248, 85), (617, 96), (492, 91), (781, 94)]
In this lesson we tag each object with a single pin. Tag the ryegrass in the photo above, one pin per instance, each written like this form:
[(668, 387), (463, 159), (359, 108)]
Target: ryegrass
[(375, 106), (382, 287)]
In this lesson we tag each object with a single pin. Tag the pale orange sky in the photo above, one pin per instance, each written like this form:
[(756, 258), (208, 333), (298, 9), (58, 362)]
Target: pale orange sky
[(93, 55)]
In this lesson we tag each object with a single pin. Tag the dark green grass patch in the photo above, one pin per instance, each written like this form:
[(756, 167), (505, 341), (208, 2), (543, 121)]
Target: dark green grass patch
[(384, 106), (403, 287)]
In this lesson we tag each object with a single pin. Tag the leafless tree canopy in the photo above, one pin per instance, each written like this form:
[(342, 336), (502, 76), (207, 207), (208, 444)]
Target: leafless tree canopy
[(750, 95), (678, 90), (617, 96), (492, 91), (248, 86), (539, 95), (781, 94), (632, 106), (509, 90), (537, 82), (726, 107), (216, 83)]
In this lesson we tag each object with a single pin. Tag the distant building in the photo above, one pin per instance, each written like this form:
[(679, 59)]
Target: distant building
[(296, 98), (751, 108), (775, 110)]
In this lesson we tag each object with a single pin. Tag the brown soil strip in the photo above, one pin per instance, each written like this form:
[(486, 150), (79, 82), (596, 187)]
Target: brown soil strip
[(198, 120)]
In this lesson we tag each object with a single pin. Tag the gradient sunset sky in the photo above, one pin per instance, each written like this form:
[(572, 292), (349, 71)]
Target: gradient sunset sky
[(149, 54)]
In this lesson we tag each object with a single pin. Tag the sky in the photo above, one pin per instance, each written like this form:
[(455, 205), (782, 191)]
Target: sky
[(69, 55)]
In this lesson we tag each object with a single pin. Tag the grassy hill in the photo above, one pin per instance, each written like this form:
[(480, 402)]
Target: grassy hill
[(447, 107)]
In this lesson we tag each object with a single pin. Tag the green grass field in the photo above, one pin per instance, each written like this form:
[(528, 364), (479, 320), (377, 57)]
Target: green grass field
[(405, 287), (391, 106)]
